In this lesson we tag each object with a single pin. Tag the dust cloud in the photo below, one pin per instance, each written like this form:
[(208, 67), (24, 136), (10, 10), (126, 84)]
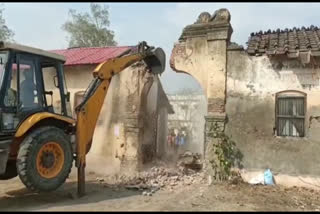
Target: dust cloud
[(198, 124), (101, 158), (189, 118)]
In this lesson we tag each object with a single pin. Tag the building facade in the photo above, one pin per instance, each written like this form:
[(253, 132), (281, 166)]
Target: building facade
[(264, 97)]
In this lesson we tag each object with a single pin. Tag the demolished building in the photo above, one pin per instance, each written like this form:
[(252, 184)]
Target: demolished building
[(134, 115), (264, 97)]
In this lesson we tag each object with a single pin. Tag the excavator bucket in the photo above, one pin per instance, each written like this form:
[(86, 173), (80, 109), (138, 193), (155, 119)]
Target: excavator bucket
[(156, 61)]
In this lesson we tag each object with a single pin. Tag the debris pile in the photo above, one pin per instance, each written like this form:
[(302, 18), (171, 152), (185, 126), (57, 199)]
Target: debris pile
[(187, 172), (160, 177), (235, 177), (190, 160)]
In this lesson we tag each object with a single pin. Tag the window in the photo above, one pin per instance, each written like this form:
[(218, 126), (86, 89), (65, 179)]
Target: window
[(30, 96), (49, 73), (3, 63), (290, 113), (10, 99)]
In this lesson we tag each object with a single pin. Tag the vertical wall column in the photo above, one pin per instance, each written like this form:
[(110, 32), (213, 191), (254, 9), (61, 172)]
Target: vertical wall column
[(132, 127), (216, 92), (134, 81)]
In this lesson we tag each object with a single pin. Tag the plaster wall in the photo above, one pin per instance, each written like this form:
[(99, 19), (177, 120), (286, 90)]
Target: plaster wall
[(252, 83)]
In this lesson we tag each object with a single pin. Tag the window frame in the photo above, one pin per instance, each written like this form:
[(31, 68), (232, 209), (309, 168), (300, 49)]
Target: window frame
[(20, 57), (295, 94)]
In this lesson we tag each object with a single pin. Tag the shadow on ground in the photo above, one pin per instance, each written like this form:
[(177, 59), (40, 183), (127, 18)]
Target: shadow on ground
[(66, 195)]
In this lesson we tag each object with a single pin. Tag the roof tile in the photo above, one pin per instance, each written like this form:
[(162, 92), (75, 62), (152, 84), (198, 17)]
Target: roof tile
[(283, 41), (91, 55)]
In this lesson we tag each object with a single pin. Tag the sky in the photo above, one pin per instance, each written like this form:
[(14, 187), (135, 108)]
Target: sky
[(160, 24)]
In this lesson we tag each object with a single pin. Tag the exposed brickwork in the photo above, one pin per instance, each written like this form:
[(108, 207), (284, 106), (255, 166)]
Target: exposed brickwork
[(216, 105), (214, 127)]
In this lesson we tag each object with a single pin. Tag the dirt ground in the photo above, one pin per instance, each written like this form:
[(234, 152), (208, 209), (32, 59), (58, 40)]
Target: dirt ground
[(195, 197)]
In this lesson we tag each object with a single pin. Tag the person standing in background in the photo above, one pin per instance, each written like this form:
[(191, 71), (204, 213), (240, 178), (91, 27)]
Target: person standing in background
[(176, 142), (171, 140), (183, 141)]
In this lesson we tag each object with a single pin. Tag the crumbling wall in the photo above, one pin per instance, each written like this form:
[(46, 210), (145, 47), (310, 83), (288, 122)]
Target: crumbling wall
[(123, 125), (164, 108), (241, 90), (252, 83), (162, 132), (149, 111), (132, 128), (120, 124), (131, 87)]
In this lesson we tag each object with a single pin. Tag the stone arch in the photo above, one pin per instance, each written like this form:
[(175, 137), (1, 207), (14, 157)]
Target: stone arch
[(201, 52), (185, 108), (180, 55)]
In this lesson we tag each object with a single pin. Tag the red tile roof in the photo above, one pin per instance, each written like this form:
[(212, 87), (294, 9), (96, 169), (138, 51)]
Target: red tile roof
[(285, 41), (90, 55)]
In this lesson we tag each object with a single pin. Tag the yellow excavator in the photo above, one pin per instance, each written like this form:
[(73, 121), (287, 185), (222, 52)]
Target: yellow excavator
[(35, 138)]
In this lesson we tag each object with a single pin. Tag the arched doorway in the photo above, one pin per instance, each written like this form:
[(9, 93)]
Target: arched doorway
[(187, 124)]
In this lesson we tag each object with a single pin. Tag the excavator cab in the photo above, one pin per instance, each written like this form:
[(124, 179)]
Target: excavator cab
[(26, 102)]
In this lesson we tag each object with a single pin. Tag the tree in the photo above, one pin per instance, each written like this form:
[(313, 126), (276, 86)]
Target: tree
[(90, 30), (6, 34)]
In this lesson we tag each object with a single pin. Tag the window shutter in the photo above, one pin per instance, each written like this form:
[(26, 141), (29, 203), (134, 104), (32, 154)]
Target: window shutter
[(290, 116)]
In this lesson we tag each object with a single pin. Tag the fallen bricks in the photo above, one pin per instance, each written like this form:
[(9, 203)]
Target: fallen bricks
[(160, 177), (187, 172), (190, 160)]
